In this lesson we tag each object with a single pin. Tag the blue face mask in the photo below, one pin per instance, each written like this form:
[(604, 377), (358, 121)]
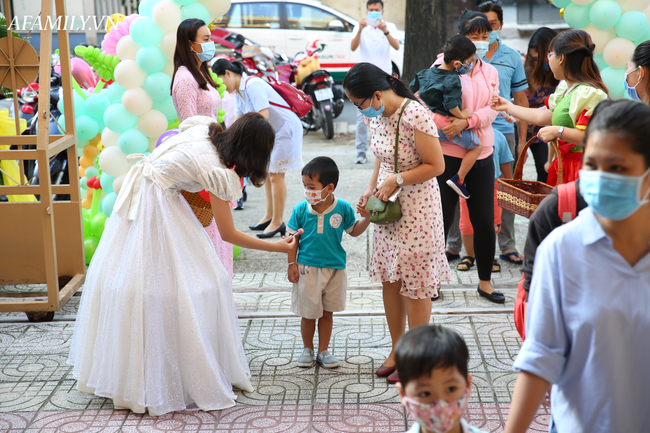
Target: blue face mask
[(466, 68), (494, 34), (612, 196), (481, 49), (631, 91), (370, 111), (208, 51)]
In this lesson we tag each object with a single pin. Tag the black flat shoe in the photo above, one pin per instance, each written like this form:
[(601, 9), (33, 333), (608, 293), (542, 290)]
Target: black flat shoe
[(240, 204), (496, 297), (261, 226), (282, 230)]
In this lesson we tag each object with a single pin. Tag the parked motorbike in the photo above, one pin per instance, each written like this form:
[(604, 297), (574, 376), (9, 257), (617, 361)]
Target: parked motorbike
[(319, 85)]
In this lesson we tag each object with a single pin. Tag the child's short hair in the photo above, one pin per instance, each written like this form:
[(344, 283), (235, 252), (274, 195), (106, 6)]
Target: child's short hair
[(426, 347), (325, 168), (460, 48)]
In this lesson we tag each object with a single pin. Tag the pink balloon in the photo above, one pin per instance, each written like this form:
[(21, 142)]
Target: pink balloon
[(118, 32), (166, 135), (83, 73)]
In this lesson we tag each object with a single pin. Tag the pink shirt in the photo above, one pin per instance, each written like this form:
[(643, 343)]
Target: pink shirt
[(477, 96), (190, 100)]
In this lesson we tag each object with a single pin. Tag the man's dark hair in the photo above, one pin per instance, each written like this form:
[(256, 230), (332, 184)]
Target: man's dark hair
[(322, 169), (460, 48), (491, 6), (426, 347), (372, 2)]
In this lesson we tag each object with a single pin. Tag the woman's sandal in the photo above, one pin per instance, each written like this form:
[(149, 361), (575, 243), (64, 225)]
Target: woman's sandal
[(508, 257), (466, 263), (496, 267)]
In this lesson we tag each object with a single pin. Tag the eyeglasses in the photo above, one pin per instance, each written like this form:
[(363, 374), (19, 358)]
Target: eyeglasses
[(362, 102), (548, 56)]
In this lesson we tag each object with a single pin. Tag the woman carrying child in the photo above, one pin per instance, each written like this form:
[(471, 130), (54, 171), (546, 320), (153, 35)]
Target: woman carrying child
[(571, 58), (409, 254)]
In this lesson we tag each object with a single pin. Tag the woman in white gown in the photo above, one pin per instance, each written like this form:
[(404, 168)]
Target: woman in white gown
[(157, 325)]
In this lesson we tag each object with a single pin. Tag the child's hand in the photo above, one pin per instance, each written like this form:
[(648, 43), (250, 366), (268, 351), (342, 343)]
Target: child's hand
[(293, 273), (547, 166), (363, 212)]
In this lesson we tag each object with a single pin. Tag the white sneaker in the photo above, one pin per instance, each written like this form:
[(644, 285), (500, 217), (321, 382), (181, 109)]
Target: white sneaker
[(361, 159)]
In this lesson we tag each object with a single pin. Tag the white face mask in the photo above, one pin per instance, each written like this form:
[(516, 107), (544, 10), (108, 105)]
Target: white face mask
[(313, 196)]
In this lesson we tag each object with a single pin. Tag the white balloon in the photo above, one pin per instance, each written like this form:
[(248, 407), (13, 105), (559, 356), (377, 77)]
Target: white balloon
[(600, 37), (136, 101), (646, 12), (633, 5), (113, 162), (169, 67), (126, 49), (129, 75), (216, 8), (617, 52), (117, 183), (168, 44), (167, 15), (153, 123), (109, 138)]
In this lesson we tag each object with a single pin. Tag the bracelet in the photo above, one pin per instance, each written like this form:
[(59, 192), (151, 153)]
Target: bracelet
[(292, 263), (386, 34)]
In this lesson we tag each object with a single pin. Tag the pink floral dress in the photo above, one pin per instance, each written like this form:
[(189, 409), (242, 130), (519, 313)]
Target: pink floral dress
[(190, 100), (413, 248)]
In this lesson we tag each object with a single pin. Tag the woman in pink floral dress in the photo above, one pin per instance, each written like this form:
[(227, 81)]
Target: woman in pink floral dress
[(194, 93), (408, 255)]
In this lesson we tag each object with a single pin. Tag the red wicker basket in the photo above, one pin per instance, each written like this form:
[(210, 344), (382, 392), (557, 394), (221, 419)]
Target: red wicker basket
[(523, 196), (201, 208)]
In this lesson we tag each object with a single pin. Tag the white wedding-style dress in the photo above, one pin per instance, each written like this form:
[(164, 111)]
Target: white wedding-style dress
[(157, 325)]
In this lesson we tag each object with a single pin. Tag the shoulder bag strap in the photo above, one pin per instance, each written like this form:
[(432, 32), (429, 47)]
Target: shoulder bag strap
[(397, 134)]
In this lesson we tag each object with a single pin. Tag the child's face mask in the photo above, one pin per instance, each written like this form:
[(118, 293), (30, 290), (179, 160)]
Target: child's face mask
[(439, 416), (314, 196)]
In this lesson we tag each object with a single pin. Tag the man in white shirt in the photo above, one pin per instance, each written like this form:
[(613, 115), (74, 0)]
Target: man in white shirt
[(374, 37)]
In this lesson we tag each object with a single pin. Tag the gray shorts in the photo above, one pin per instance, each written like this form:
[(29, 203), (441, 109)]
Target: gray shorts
[(318, 290)]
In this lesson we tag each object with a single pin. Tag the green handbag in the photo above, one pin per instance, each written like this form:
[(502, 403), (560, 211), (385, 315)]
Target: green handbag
[(387, 212)]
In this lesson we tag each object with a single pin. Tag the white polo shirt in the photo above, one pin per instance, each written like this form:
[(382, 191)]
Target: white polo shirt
[(374, 46)]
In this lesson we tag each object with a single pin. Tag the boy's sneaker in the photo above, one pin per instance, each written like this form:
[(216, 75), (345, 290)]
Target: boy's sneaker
[(328, 360), (306, 359), (458, 187)]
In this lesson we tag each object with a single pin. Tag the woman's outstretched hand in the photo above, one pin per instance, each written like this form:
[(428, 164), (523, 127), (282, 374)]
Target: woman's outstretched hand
[(500, 104), (286, 245)]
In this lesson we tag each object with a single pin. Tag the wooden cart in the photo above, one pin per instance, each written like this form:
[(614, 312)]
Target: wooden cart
[(40, 242)]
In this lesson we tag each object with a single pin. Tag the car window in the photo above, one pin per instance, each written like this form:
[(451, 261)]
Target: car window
[(255, 16), (303, 17)]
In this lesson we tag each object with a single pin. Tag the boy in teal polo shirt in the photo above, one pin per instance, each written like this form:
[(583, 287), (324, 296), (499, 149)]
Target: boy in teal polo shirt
[(318, 273)]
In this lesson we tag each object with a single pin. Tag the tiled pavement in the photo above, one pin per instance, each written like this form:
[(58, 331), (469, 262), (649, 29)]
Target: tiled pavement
[(37, 392)]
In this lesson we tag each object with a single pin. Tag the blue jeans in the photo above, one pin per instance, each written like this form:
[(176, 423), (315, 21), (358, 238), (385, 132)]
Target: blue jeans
[(468, 139)]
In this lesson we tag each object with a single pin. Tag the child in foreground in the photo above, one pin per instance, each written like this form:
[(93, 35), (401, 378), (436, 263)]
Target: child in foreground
[(318, 273), (439, 87), (434, 383)]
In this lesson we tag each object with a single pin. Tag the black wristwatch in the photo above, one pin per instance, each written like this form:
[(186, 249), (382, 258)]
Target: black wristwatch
[(386, 34)]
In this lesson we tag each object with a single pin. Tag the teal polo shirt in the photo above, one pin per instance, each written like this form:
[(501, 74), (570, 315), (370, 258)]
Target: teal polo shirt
[(320, 244), (512, 78)]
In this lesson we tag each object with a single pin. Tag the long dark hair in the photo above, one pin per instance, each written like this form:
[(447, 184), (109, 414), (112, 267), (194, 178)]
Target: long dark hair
[(538, 76), (579, 65), (246, 146), (471, 22), (364, 79), (641, 57), (222, 65), (184, 56), (625, 118)]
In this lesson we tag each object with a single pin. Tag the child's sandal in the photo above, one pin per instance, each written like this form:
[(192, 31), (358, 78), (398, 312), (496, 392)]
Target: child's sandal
[(466, 263), (496, 267)]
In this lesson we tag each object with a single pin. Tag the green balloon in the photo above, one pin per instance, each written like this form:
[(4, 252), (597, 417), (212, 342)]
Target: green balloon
[(145, 8), (97, 225), (642, 39), (182, 2), (86, 221), (132, 141), (236, 249), (96, 104), (87, 127), (603, 13), (91, 171), (151, 59), (577, 16), (79, 104), (613, 79), (114, 93), (90, 246), (158, 86), (560, 3), (108, 203), (117, 119), (632, 25), (195, 10), (145, 32), (600, 61), (83, 183), (167, 108)]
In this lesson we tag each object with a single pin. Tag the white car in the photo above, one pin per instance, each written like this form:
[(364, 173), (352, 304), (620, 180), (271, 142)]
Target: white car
[(292, 26)]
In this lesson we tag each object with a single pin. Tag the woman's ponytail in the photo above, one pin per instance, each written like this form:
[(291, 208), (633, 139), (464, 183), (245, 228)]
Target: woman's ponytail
[(222, 65), (364, 79)]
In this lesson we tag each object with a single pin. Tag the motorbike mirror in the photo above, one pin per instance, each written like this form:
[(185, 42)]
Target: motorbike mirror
[(336, 26)]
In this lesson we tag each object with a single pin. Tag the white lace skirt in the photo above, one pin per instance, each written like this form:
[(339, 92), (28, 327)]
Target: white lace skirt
[(287, 151), (157, 325)]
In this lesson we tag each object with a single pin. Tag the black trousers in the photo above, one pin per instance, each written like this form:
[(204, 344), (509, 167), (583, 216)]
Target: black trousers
[(540, 153), (480, 184)]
